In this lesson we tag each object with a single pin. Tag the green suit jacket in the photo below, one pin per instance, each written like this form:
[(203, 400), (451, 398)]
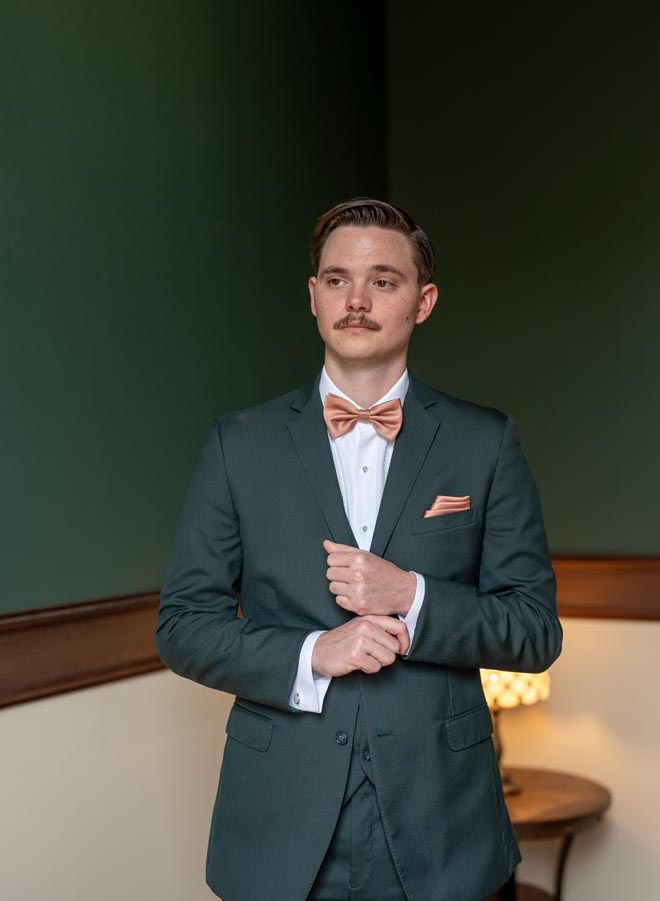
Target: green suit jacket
[(263, 497)]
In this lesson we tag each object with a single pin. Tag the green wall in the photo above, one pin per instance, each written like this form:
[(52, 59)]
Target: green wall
[(525, 138), (162, 165), (161, 168)]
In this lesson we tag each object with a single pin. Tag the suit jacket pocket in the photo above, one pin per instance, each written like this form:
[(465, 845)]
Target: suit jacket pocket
[(423, 525), (467, 729), (249, 728)]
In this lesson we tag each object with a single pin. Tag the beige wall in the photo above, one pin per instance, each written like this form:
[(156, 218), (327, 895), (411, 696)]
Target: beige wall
[(601, 721), (107, 793)]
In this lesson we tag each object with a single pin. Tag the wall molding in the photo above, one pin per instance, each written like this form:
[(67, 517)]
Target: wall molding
[(608, 587), (56, 649)]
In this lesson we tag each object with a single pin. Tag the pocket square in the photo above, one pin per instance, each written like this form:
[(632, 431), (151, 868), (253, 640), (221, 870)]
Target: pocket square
[(445, 503)]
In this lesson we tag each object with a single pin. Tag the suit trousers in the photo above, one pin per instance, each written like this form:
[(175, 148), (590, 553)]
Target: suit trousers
[(358, 865)]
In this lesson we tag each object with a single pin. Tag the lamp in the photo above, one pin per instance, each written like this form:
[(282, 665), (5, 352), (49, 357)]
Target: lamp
[(504, 690)]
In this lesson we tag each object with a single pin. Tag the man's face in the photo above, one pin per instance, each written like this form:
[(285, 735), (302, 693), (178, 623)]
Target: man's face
[(366, 297)]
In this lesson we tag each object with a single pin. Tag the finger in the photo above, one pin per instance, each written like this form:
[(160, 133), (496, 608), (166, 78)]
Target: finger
[(369, 664), (350, 602), (394, 627), (331, 546), (339, 574), (384, 639), (401, 634), (343, 561), (338, 587), (391, 642), (384, 656)]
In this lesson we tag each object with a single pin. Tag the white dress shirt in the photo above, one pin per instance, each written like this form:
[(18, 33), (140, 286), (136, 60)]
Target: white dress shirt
[(362, 459)]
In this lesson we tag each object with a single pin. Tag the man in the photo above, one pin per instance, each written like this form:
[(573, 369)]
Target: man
[(386, 540)]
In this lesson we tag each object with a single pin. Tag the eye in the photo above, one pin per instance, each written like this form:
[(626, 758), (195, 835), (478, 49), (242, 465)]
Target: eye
[(334, 280), (383, 283)]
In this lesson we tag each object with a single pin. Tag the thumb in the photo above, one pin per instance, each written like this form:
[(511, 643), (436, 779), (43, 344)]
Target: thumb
[(398, 629)]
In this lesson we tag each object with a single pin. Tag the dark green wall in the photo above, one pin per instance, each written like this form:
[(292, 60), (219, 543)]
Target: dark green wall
[(161, 168), (526, 139), (162, 165)]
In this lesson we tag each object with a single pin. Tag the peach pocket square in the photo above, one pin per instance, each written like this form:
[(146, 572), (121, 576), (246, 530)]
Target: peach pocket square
[(445, 503)]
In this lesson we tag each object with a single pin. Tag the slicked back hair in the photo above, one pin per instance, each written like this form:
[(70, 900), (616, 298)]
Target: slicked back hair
[(365, 211)]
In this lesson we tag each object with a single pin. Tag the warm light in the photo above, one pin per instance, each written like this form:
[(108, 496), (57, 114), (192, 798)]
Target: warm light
[(504, 690)]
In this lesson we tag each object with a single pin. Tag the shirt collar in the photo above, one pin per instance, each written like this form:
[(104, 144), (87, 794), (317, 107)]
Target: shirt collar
[(398, 389)]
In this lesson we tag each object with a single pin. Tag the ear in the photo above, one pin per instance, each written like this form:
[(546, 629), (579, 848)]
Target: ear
[(427, 301), (311, 285)]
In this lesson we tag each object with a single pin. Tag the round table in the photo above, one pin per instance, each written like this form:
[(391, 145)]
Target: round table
[(551, 805)]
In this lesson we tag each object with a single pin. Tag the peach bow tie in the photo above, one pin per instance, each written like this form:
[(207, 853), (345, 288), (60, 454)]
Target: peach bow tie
[(340, 416)]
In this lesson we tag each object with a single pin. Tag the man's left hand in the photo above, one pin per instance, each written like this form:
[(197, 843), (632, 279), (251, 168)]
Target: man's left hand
[(365, 583)]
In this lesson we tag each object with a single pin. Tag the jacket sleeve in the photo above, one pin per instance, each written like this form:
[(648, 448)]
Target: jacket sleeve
[(199, 635), (509, 620)]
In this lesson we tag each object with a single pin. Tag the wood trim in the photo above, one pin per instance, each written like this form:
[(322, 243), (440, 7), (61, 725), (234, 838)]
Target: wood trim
[(608, 587), (56, 649)]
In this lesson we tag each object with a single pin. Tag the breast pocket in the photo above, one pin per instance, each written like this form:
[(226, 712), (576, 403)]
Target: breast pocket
[(431, 525)]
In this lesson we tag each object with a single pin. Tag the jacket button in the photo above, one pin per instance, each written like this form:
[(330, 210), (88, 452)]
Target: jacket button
[(367, 755), (341, 738)]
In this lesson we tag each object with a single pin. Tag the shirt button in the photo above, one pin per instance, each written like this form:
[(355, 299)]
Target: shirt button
[(365, 469), (366, 755), (296, 698), (364, 528), (341, 738)]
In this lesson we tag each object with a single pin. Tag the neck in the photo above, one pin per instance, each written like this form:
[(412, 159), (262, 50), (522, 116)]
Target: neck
[(364, 383)]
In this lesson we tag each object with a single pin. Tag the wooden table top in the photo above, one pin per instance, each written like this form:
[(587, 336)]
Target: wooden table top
[(553, 803)]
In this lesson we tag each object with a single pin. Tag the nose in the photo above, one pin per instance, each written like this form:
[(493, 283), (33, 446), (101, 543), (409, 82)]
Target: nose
[(358, 298)]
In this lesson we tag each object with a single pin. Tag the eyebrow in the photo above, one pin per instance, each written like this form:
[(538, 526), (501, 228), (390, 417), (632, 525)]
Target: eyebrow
[(377, 267)]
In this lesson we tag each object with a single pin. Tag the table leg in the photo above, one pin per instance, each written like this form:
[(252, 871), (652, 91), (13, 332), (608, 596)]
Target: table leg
[(566, 843)]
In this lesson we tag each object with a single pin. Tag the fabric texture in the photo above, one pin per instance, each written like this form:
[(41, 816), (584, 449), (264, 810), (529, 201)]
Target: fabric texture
[(253, 533), (358, 865)]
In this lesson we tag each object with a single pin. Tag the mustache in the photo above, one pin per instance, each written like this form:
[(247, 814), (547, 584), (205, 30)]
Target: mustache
[(356, 320)]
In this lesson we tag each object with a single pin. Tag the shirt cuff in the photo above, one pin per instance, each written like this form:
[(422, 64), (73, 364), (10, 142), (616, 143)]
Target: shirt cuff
[(309, 687), (410, 619)]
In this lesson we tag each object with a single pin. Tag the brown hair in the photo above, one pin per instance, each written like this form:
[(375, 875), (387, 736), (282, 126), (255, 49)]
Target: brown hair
[(364, 211)]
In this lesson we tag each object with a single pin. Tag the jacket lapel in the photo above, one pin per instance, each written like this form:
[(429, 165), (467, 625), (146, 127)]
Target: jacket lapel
[(410, 449), (310, 437)]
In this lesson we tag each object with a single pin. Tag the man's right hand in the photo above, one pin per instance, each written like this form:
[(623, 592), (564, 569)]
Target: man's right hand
[(365, 643)]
